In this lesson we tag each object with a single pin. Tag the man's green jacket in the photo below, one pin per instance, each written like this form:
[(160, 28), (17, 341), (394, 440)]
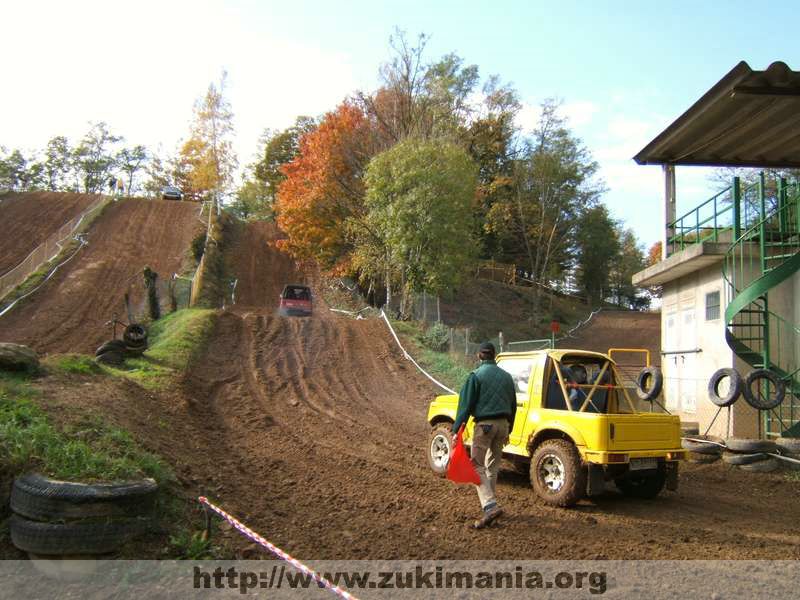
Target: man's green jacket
[(488, 393)]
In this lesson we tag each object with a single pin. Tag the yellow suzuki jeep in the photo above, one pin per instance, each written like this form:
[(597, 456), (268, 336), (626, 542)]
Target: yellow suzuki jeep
[(576, 427)]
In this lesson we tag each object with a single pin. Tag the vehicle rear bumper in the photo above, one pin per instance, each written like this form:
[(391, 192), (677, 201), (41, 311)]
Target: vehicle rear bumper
[(294, 312), (624, 457)]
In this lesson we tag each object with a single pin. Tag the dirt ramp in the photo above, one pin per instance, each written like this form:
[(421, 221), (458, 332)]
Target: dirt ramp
[(68, 313), (618, 329), (261, 269), (30, 218)]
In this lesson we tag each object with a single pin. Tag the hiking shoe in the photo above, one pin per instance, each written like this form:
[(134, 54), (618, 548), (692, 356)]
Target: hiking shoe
[(488, 518)]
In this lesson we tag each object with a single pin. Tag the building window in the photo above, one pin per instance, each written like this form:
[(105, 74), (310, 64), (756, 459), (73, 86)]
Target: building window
[(712, 306)]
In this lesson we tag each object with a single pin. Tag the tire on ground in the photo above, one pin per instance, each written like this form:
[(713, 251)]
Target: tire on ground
[(736, 458), (788, 445), (110, 345), (135, 335), (111, 357), (755, 400), (690, 429), (734, 391), (701, 447), (644, 485), (645, 375), (699, 458), (44, 499), (78, 537), (441, 436), (544, 464), (762, 466), (750, 446)]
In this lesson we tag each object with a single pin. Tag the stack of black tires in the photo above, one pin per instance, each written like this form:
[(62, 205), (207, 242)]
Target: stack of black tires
[(74, 519), (133, 343), (751, 455)]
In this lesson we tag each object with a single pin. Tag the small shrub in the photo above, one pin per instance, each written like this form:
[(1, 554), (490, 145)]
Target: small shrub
[(199, 245), (78, 364), (437, 337)]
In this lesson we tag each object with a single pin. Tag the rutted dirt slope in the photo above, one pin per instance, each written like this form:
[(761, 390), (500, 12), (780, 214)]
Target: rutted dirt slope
[(30, 218), (68, 313), (618, 328), (313, 431)]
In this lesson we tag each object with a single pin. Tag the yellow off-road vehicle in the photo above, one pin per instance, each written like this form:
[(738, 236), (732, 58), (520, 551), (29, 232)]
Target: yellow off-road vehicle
[(577, 426)]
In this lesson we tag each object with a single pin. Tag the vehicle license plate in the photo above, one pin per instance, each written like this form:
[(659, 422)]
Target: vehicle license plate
[(641, 464)]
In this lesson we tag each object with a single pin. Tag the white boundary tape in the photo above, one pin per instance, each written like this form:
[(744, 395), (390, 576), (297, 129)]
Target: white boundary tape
[(261, 541), (409, 357)]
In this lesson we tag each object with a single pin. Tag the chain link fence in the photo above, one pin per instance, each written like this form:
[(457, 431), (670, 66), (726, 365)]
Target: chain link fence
[(49, 249)]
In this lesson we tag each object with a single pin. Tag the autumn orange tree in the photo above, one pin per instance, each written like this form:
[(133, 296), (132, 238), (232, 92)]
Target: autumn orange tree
[(322, 198)]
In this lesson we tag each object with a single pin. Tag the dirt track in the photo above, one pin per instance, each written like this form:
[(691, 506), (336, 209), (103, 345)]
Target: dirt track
[(29, 219), (617, 328), (69, 312), (312, 431)]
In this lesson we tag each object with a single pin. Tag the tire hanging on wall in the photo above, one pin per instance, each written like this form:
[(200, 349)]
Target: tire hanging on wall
[(734, 391), (755, 400)]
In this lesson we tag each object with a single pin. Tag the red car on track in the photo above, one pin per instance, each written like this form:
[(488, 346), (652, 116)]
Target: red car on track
[(295, 301)]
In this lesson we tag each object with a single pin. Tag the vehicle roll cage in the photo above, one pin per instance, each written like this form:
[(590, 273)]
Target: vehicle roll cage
[(593, 387)]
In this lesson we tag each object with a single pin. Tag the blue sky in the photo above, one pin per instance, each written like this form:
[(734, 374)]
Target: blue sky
[(624, 69)]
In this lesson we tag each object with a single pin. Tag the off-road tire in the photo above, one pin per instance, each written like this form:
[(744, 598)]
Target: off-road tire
[(443, 430), (644, 486), (110, 345), (111, 357), (750, 446), (734, 391), (649, 373), (44, 499), (79, 537), (575, 473)]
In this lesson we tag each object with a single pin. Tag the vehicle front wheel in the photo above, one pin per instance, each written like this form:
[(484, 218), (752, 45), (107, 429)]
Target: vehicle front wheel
[(440, 446), (642, 485), (557, 474)]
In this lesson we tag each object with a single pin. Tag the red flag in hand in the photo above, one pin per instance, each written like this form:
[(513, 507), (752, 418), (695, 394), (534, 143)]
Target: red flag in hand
[(460, 468)]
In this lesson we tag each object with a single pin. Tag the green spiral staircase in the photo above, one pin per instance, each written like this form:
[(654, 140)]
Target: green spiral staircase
[(762, 224)]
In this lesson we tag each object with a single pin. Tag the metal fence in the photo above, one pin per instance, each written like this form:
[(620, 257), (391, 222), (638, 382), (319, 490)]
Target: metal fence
[(48, 250)]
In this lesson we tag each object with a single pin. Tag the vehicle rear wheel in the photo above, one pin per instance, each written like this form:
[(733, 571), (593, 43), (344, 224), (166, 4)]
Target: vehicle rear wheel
[(643, 485), (440, 446), (558, 475)]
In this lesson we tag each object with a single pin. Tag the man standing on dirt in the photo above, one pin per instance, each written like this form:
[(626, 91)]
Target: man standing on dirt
[(489, 396)]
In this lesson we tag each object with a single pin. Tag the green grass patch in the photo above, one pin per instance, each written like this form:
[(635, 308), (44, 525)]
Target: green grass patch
[(76, 364), (87, 451), (451, 369), (174, 341)]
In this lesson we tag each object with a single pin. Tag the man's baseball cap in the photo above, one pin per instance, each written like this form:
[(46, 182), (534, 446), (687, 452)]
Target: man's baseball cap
[(487, 347)]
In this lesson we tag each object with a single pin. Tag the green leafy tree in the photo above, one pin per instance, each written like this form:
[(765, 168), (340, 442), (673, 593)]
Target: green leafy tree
[(59, 168), (418, 199), (631, 260), (131, 161), (598, 248), (95, 159)]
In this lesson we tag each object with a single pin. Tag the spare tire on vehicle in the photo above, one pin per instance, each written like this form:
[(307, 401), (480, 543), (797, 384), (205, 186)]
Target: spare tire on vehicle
[(755, 399), (38, 497), (750, 446), (649, 383), (734, 390)]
